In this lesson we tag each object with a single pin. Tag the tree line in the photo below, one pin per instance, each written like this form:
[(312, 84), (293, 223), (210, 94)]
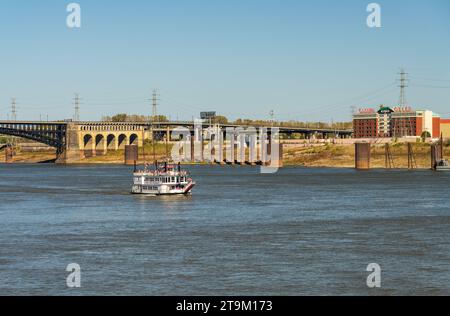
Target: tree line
[(224, 120)]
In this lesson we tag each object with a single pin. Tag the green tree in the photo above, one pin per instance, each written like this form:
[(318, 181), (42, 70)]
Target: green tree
[(220, 120), (426, 135), (161, 118), (119, 118)]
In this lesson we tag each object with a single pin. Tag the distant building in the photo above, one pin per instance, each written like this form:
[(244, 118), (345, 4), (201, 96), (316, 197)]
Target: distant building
[(395, 122), (445, 128)]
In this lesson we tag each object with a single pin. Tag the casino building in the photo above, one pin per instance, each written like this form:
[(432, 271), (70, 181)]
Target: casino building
[(395, 122), (445, 128)]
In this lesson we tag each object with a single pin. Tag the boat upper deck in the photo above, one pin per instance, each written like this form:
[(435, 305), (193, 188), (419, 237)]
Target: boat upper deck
[(162, 171), (155, 173)]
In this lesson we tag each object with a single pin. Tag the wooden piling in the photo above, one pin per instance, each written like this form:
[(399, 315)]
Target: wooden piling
[(131, 154), (362, 156), (9, 154)]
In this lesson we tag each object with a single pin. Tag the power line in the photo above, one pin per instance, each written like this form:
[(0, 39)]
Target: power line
[(383, 93), (430, 86), (142, 101), (374, 92), (430, 79), (119, 99), (388, 89)]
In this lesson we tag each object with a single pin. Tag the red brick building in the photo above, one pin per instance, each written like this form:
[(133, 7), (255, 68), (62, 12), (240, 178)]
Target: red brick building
[(445, 128), (395, 122)]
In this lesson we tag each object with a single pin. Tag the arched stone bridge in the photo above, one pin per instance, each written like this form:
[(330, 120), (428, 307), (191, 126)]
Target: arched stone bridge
[(99, 138), (75, 141)]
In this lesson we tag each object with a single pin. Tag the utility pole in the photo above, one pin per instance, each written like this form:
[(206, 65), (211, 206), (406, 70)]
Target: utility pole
[(272, 115), (76, 116), (13, 109)]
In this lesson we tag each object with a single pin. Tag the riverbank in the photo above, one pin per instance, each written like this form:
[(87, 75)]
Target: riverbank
[(343, 156), (112, 157), (318, 156)]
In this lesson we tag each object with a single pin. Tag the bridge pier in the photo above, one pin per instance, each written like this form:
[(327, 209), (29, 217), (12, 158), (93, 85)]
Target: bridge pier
[(241, 146), (70, 152), (197, 145), (230, 152), (218, 147), (253, 150), (263, 145)]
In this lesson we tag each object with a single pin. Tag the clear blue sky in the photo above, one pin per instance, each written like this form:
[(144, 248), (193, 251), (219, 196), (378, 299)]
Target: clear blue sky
[(306, 60)]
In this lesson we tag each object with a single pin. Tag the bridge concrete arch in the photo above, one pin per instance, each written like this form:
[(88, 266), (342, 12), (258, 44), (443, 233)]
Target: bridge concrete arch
[(123, 140), (134, 139), (100, 145), (111, 142)]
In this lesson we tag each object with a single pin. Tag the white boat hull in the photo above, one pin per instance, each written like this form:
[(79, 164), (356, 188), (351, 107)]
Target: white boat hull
[(138, 189)]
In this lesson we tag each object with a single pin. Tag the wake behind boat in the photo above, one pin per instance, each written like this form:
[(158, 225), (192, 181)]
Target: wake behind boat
[(164, 179), (443, 165)]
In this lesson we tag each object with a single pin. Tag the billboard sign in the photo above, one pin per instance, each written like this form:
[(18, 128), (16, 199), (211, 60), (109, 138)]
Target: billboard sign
[(207, 115)]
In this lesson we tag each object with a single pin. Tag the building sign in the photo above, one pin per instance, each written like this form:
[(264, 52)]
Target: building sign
[(207, 115), (385, 110), (405, 109), (366, 111)]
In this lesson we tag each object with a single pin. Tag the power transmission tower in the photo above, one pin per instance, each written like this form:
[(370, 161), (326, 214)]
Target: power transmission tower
[(403, 85), (402, 103), (13, 109), (154, 105), (272, 115), (76, 100)]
